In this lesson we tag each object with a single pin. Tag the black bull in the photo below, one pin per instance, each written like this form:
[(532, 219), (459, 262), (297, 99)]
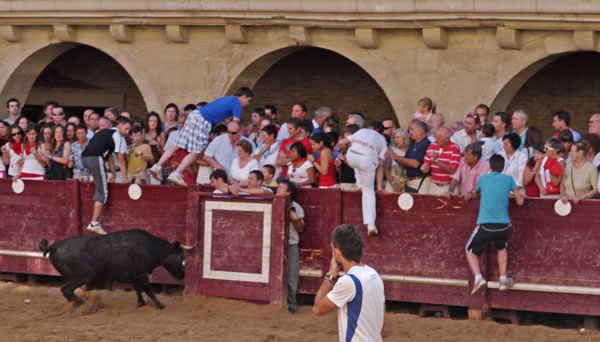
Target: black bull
[(126, 255)]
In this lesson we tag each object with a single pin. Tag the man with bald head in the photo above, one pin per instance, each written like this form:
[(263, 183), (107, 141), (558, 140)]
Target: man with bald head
[(298, 111), (442, 159)]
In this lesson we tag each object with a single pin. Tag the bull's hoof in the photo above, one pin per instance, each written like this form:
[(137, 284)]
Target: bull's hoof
[(160, 306), (140, 304)]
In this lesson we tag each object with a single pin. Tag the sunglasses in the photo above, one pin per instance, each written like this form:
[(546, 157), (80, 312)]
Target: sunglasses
[(15, 134), (233, 133), (58, 114), (546, 148), (388, 127)]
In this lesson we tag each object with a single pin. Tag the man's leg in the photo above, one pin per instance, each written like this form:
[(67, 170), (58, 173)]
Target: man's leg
[(167, 154), (293, 274), (96, 167), (502, 261), (188, 160), (473, 261), (97, 211), (367, 178)]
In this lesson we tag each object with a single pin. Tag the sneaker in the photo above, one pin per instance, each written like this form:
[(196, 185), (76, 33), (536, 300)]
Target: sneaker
[(176, 179), (156, 172), (371, 230), (506, 284), (96, 229), (478, 286)]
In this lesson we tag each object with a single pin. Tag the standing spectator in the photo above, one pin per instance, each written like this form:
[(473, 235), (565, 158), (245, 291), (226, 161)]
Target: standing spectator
[(594, 124), (267, 150), (594, 154), (172, 139), (580, 180), (298, 111), (111, 114), (93, 125), (566, 138), (355, 118), (23, 122), (417, 181), (243, 164), (456, 126), (48, 117), (74, 120), (70, 132), (271, 112), (347, 177), (395, 174), (287, 188), (436, 121), (13, 151), (472, 166), (46, 133), (562, 120), (190, 107), (140, 154), (34, 158), (13, 106), (320, 115), (86, 116), (58, 155), (300, 171), (532, 138), (324, 165), (99, 149), (552, 169), (519, 122), (221, 152), (366, 155), (494, 222), (295, 133), (362, 319), (482, 111), (469, 134), (171, 114), (196, 131), (442, 159), (491, 146), (500, 123), (4, 132), (515, 161), (154, 135), (389, 127), (58, 114), (253, 129), (425, 107), (531, 170), (77, 148)]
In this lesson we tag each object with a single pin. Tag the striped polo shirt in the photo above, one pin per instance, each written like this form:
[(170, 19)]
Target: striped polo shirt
[(449, 155)]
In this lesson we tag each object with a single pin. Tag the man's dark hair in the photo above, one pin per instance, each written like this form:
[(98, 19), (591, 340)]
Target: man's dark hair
[(216, 174), (514, 139), (12, 99), (564, 116), (302, 105), (270, 129), (219, 129), (299, 148), (136, 129), (504, 118), (244, 91), (124, 120), (201, 104), (260, 111), (50, 103), (348, 240), (258, 174), (294, 122), (565, 135), (422, 125), (307, 126), (270, 168), (475, 149), (351, 129), (482, 106), (81, 125), (291, 187), (272, 108), (497, 163), (593, 140), (377, 126), (555, 144), (189, 106), (488, 130)]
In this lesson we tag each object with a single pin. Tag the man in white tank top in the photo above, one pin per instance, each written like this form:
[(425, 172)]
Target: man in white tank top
[(358, 294)]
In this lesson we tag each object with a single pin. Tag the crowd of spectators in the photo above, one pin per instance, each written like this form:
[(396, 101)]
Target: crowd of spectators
[(430, 156)]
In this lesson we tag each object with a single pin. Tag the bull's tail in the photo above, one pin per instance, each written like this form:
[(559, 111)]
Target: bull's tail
[(44, 247)]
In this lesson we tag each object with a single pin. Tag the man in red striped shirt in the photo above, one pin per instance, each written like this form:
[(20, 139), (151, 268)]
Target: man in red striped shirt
[(442, 159)]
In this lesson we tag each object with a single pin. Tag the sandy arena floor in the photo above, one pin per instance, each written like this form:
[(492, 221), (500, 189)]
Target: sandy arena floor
[(41, 313)]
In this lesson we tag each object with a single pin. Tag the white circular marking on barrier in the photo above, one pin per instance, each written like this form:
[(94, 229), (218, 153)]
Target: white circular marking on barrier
[(405, 201), (135, 192), (18, 186), (561, 208)]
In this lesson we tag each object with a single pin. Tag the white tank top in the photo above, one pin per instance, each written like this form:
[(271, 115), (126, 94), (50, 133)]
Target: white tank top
[(31, 165), (13, 169)]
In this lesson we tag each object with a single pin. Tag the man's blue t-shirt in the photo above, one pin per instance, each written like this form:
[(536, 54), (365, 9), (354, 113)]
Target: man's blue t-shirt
[(494, 188), (416, 150), (221, 109)]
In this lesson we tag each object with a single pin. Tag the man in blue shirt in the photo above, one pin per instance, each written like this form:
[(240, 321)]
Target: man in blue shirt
[(493, 223), (196, 131)]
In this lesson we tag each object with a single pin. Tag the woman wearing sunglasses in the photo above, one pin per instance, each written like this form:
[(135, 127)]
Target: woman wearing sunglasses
[(33, 154), (11, 151)]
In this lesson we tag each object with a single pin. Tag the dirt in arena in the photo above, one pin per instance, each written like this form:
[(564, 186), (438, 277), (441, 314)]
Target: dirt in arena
[(40, 313)]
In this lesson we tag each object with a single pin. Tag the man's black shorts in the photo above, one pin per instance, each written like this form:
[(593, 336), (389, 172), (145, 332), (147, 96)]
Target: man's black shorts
[(485, 233)]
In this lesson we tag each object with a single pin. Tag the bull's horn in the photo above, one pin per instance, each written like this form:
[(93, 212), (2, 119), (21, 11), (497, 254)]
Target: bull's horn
[(187, 248)]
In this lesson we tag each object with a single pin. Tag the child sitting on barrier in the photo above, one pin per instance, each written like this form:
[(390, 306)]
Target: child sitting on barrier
[(493, 223)]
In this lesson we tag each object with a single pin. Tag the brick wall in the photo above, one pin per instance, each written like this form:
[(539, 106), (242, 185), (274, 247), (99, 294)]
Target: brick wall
[(571, 83), (319, 77)]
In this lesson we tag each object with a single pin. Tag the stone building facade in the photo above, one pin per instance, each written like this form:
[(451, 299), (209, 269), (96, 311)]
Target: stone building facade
[(376, 56)]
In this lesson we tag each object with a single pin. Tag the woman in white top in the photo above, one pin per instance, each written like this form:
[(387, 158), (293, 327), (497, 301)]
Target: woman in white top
[(34, 159), (395, 174), (266, 152), (243, 164), (514, 161), (300, 171), (580, 180), (13, 150)]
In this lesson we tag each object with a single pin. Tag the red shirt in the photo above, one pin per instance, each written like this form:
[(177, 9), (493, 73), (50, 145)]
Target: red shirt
[(450, 155), (286, 145)]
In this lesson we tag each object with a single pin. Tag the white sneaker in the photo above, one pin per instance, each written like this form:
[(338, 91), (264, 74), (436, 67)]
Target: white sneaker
[(478, 286), (176, 179), (96, 229), (156, 172), (371, 230), (506, 284)]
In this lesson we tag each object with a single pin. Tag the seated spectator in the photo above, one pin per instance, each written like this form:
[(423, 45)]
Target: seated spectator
[(34, 157), (490, 144), (300, 171), (243, 163), (593, 141), (395, 174), (471, 167), (295, 133), (531, 170), (442, 159), (324, 164), (469, 134), (79, 171), (347, 178), (58, 156), (580, 180), (425, 108), (515, 161), (140, 155), (552, 169), (254, 186), (417, 181), (267, 150), (268, 172)]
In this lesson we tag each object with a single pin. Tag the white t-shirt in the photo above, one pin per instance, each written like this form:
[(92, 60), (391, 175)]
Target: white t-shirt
[(369, 143), (299, 174), (370, 309), (283, 133), (269, 157), (515, 166), (223, 151), (13, 169), (491, 147), (294, 236), (32, 165), (241, 174)]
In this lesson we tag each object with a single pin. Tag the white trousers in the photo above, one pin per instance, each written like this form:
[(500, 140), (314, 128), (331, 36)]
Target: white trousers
[(365, 172)]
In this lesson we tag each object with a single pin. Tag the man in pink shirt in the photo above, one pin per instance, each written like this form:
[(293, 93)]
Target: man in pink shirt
[(469, 170), (442, 159)]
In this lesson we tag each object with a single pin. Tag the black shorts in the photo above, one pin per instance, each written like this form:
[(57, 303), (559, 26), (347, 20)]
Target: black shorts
[(485, 233)]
